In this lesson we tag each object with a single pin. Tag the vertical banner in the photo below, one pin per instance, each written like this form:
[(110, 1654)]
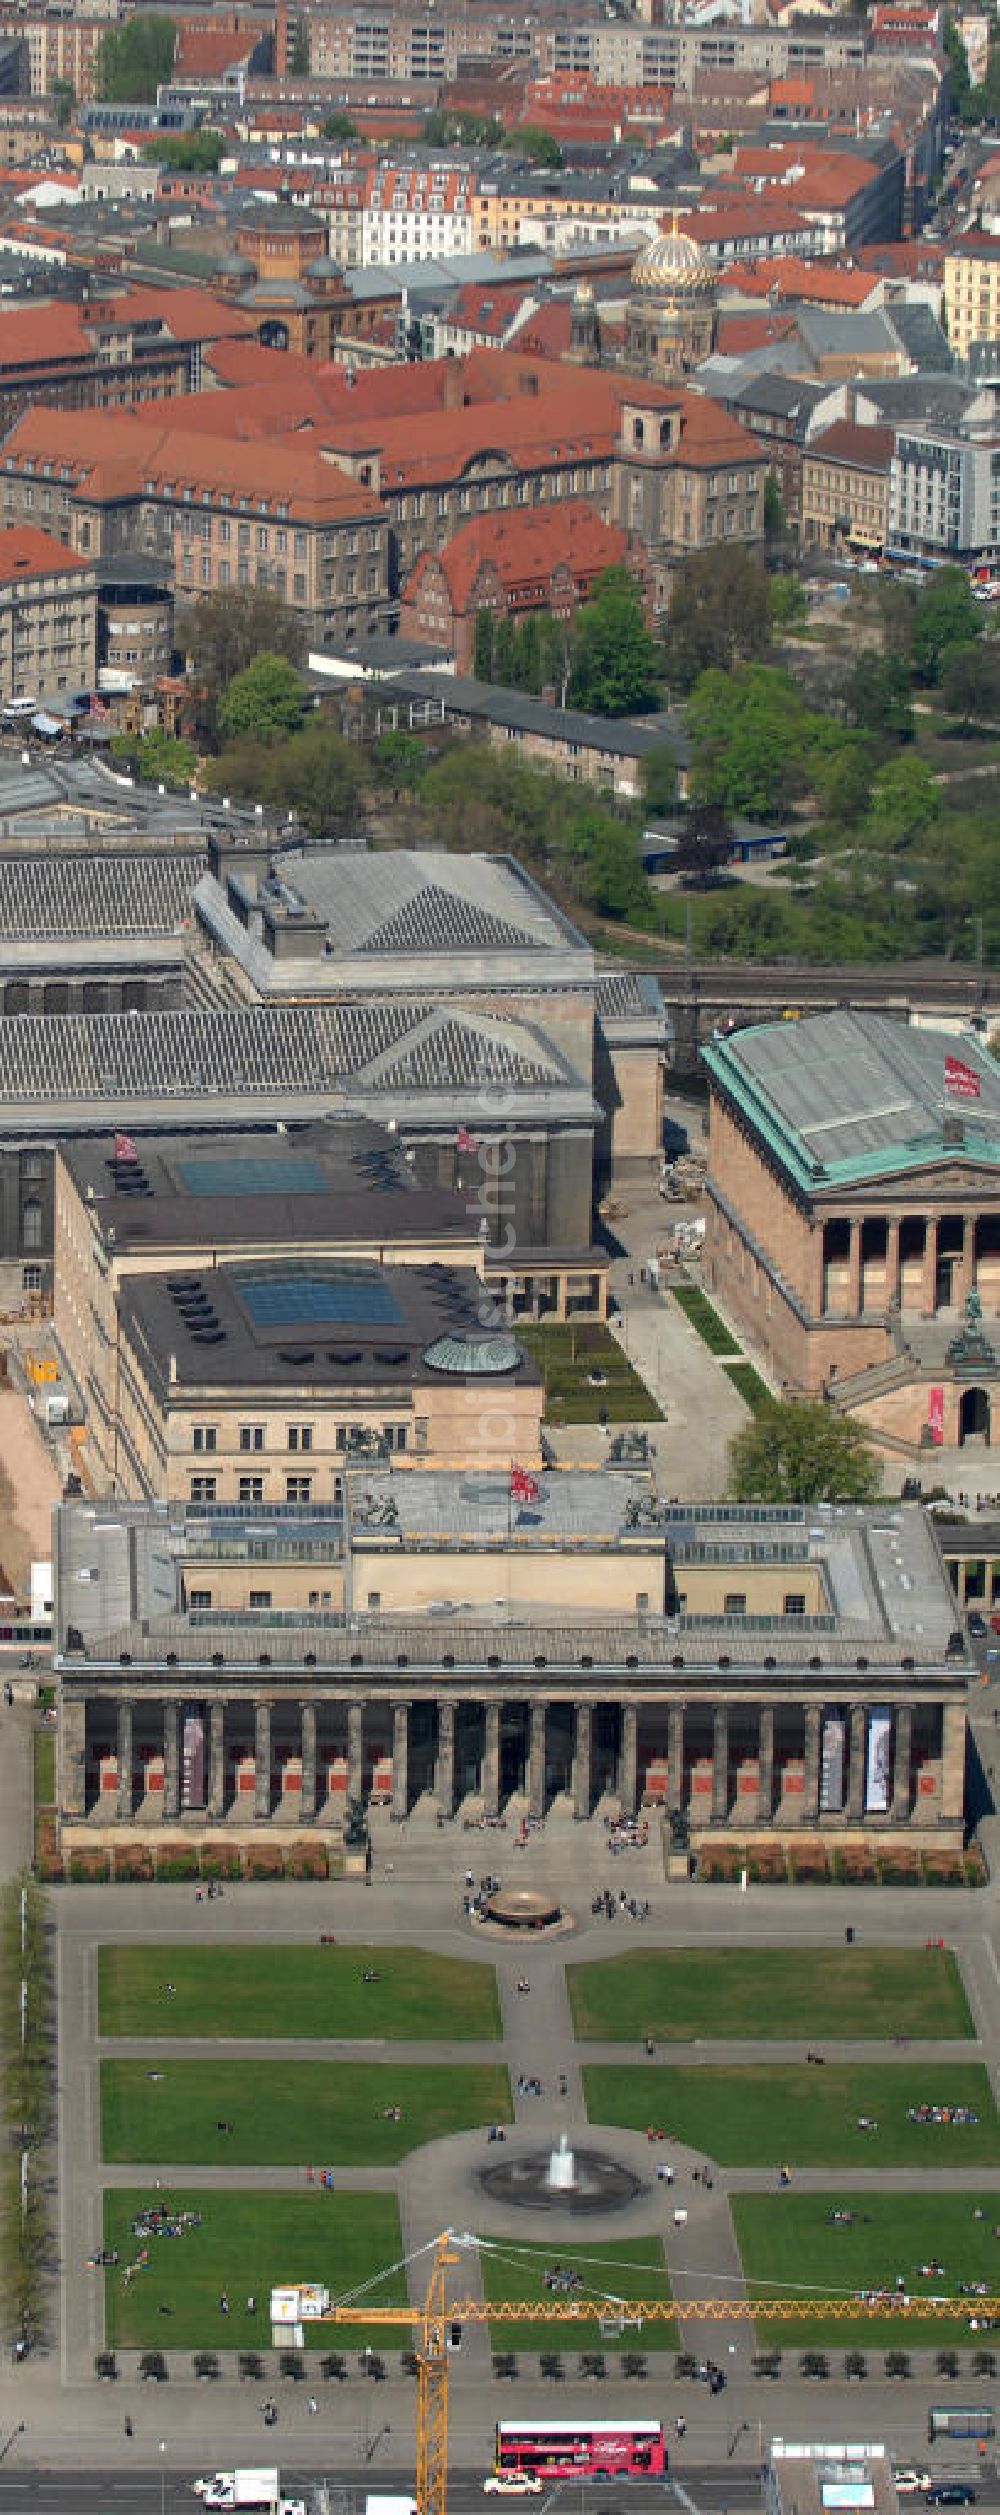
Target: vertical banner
[(879, 1760), (833, 1748), (935, 1415), (193, 1757)]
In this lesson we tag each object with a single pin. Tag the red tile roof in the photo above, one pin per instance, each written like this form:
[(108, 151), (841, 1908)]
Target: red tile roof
[(26, 552), (867, 449), (525, 549)]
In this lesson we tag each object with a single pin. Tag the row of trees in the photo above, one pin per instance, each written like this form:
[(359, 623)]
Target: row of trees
[(27, 2083), (605, 658)]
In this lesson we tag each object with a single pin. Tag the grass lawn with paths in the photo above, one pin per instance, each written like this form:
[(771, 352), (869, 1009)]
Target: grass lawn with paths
[(771, 2114), (222, 1991), (330, 2113), (247, 2244), (789, 2246), (633, 2267), (587, 1376), (773, 1993)]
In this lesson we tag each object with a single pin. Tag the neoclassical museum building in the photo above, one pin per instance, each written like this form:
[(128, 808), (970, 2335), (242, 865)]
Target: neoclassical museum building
[(853, 1218)]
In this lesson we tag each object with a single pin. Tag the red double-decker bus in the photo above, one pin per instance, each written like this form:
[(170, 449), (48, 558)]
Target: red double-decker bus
[(557, 2449)]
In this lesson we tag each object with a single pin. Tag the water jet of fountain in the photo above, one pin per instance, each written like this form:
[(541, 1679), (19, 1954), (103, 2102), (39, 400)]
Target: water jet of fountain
[(561, 2175)]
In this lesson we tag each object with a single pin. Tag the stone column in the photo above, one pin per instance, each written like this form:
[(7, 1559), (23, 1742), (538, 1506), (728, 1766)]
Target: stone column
[(171, 1760), (355, 1750), (400, 1758), (217, 1759), (308, 1744), (675, 1757), (536, 1761), (490, 1777), (902, 1750), (810, 1776), (583, 1760), (720, 1764), (953, 1742), (893, 1287), (856, 1770), (854, 1270), (928, 1287), (445, 1779), (964, 1270), (765, 1755), (71, 1749), (629, 1759), (125, 1759), (262, 1756)]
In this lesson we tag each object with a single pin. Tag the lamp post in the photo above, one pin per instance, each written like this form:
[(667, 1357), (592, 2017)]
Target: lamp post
[(163, 2477)]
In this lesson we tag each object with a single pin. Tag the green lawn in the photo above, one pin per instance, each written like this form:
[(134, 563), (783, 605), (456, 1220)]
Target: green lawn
[(634, 2267), (44, 1751), (247, 2244), (771, 1992), (713, 1331), (748, 1384), (789, 2247), (803, 2116), (570, 1358), (313, 2112), (308, 1991)]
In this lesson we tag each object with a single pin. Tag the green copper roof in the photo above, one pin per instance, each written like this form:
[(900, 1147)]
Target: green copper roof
[(845, 1097)]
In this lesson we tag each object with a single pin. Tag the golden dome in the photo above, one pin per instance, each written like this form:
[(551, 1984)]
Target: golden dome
[(673, 265)]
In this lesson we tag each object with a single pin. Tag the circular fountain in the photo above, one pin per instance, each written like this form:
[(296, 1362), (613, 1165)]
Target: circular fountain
[(579, 2182)]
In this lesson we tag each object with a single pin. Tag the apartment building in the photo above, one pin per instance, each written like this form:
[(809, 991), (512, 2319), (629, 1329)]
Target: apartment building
[(845, 487), (377, 44), (140, 345), (972, 290), (58, 45), (944, 496), (48, 616)]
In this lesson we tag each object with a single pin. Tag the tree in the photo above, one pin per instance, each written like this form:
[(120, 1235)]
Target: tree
[(451, 130), (802, 1453), (265, 700), (221, 634), (339, 126), (947, 615), (705, 843), (64, 100), (750, 732), (906, 801), (659, 780), (536, 145), (300, 54), (482, 645), (843, 783), (970, 683), (188, 152), (775, 518), (878, 697), (788, 601), (318, 775), (720, 614), (615, 656), (959, 81), (399, 760), (156, 757), (135, 59)]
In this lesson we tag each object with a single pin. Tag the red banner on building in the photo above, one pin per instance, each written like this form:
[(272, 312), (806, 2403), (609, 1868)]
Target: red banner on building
[(935, 1415), (961, 1081)]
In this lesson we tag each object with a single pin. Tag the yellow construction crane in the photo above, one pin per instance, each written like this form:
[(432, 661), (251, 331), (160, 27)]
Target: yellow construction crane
[(433, 2322)]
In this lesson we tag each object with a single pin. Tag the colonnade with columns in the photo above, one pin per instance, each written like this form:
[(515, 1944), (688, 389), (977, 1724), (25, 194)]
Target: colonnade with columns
[(256, 1760)]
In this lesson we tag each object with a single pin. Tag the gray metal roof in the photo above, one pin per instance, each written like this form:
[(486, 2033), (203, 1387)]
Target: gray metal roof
[(847, 1094), (96, 895)]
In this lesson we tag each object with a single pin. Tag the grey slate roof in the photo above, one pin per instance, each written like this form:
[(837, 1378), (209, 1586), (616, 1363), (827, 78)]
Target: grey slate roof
[(99, 895), (399, 1056), (919, 333)]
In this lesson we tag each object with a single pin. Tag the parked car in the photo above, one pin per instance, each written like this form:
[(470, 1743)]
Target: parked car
[(977, 1625), (950, 2493), (910, 2483)]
